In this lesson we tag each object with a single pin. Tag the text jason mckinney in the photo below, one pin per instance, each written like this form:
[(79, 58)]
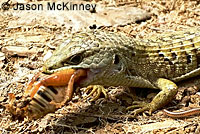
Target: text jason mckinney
[(55, 6)]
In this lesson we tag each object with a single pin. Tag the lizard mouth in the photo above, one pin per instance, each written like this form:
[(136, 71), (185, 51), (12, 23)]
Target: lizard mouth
[(89, 78), (91, 75)]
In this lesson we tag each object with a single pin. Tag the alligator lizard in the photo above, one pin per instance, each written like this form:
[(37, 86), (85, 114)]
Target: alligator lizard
[(114, 59)]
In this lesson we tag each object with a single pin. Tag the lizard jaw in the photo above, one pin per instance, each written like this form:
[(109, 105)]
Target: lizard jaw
[(85, 81), (91, 75)]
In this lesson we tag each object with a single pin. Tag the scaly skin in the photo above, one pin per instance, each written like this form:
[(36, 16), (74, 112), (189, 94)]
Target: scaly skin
[(114, 59)]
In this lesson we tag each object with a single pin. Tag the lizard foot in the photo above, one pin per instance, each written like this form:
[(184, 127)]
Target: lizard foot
[(167, 93), (96, 90), (143, 107)]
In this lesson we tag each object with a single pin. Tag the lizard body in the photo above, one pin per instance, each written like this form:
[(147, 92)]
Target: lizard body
[(113, 59)]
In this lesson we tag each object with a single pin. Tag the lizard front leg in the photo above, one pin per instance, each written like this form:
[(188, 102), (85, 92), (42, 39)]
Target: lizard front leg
[(167, 93), (95, 90)]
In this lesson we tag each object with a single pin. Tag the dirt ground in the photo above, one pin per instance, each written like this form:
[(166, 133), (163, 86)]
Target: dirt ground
[(26, 37)]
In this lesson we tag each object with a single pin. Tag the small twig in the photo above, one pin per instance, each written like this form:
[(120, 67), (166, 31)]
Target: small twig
[(68, 126), (111, 117)]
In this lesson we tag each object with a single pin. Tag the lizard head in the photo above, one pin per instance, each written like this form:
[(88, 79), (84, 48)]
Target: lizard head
[(94, 52)]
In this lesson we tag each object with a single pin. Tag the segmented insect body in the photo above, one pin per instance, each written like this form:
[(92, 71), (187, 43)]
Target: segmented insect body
[(45, 94), (37, 106)]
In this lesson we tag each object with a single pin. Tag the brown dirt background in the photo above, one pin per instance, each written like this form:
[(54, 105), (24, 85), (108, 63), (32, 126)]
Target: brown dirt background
[(101, 116)]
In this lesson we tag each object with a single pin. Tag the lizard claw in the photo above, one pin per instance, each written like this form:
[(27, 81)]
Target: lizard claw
[(96, 90), (143, 107)]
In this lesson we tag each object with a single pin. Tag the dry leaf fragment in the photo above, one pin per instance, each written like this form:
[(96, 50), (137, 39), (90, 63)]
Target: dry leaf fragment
[(20, 51)]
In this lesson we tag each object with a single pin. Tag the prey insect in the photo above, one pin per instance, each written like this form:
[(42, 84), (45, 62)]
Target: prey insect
[(45, 94)]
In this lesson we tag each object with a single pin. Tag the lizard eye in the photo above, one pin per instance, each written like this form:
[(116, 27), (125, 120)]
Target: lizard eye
[(76, 59)]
